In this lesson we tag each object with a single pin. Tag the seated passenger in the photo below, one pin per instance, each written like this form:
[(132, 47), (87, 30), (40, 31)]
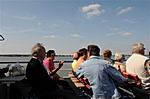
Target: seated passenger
[(49, 64), (3, 71), (118, 62), (75, 58), (107, 56), (42, 84), (139, 64), (101, 75), (82, 56)]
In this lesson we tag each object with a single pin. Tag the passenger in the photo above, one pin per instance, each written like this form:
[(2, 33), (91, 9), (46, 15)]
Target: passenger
[(3, 71), (139, 64), (107, 56), (49, 64), (101, 75), (118, 62), (43, 85), (75, 58), (82, 56)]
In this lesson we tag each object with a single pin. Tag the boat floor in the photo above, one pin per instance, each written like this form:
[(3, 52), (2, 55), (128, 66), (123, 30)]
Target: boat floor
[(77, 91), (21, 91)]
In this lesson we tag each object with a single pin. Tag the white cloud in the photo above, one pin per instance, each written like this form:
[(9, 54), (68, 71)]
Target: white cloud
[(75, 35), (56, 25), (126, 33), (49, 36), (52, 36), (28, 30), (118, 31), (39, 23), (25, 17), (111, 34), (119, 34), (92, 10), (104, 21), (130, 21), (115, 29), (124, 10)]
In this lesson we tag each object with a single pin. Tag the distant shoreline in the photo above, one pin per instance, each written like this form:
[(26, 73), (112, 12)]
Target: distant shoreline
[(15, 55), (27, 55)]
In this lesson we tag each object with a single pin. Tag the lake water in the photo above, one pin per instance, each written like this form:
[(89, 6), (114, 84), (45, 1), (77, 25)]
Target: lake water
[(63, 71)]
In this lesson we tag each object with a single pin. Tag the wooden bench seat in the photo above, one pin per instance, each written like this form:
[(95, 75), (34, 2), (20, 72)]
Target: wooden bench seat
[(80, 85), (76, 81), (70, 75)]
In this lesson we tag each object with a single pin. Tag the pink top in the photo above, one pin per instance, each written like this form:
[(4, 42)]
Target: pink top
[(49, 64)]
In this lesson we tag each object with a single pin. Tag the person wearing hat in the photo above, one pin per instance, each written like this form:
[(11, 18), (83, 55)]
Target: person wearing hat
[(118, 64)]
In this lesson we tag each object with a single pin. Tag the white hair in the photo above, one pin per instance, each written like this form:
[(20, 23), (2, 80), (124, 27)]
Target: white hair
[(137, 47), (36, 49)]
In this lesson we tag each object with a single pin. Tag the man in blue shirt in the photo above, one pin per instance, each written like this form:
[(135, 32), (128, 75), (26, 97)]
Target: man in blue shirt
[(100, 75)]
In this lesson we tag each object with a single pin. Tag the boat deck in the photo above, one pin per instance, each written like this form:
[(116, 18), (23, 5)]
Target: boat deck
[(18, 88)]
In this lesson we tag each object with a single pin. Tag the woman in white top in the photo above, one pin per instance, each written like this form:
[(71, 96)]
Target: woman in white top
[(118, 64)]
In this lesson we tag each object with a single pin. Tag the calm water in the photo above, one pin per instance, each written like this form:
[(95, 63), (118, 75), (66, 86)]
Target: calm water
[(63, 71)]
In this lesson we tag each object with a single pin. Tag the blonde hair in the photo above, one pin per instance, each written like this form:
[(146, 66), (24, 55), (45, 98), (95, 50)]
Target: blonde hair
[(118, 56), (36, 49), (137, 47)]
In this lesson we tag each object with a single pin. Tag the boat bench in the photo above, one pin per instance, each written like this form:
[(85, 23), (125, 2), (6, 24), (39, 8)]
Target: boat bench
[(76, 81)]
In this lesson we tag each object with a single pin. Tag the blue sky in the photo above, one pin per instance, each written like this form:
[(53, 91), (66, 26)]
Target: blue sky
[(67, 25)]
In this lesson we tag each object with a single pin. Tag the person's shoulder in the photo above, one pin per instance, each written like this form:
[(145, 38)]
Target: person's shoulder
[(45, 61), (147, 62), (119, 63), (106, 62)]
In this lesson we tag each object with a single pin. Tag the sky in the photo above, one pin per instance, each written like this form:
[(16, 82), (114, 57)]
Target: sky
[(68, 25)]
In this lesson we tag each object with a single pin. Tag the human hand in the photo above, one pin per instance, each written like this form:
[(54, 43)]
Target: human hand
[(61, 63)]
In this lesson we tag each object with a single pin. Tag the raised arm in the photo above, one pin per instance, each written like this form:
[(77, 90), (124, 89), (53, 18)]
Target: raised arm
[(55, 70)]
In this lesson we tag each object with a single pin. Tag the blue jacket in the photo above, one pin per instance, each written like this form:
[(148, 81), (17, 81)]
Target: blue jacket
[(101, 77)]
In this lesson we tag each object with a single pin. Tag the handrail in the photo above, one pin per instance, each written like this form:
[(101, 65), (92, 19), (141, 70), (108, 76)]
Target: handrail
[(28, 61), (12, 62)]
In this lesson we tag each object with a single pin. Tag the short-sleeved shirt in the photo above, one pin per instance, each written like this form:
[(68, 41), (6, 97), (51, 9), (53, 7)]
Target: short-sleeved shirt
[(49, 64)]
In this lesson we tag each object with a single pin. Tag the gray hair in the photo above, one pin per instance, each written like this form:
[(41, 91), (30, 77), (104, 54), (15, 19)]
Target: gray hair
[(137, 47), (36, 49)]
